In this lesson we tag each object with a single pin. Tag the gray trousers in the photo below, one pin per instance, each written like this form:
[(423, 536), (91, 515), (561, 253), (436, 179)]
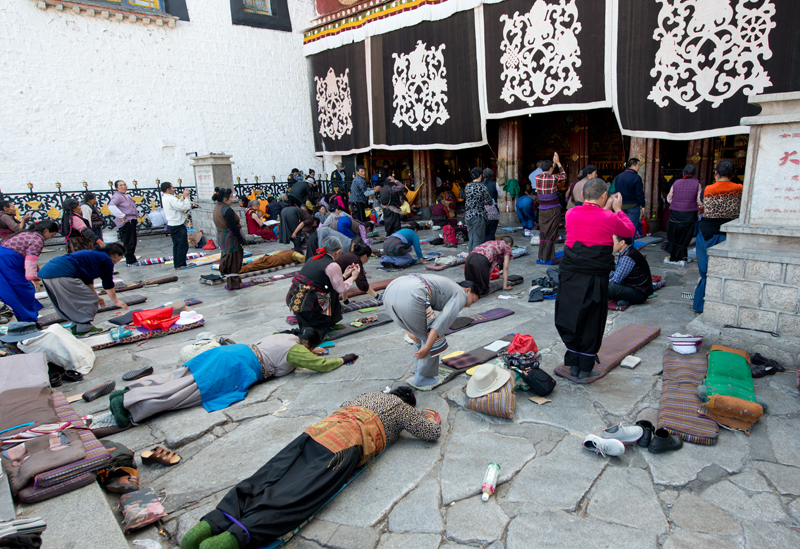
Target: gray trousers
[(404, 299), (73, 300), (476, 227), (158, 393)]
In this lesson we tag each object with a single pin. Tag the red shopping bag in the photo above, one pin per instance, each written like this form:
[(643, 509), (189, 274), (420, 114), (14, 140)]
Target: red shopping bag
[(154, 319), (523, 343)]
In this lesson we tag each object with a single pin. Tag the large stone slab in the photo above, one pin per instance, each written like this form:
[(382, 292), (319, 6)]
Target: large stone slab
[(681, 467), (785, 443), (572, 409), (183, 426), (475, 521), (692, 512), (625, 495), (560, 479), (743, 505), (233, 457), (473, 444), (547, 528), (65, 514), (760, 534), (685, 539), (405, 541), (315, 400), (419, 511), (785, 479)]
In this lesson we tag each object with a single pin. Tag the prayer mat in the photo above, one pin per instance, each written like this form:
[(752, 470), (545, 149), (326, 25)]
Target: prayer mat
[(445, 375), (362, 304), (497, 284), (150, 282), (158, 260), (126, 299), (105, 341), (211, 259), (488, 316), (255, 281), (245, 261), (614, 306), (379, 285), (74, 475), (347, 330), (474, 357), (677, 409), (625, 341), (642, 242), (251, 274), (438, 267)]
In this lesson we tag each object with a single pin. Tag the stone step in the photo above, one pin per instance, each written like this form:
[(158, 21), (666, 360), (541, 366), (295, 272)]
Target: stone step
[(80, 519)]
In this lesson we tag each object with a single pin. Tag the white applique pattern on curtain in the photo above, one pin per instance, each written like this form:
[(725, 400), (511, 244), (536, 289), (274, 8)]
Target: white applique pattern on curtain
[(541, 53), (707, 54), (420, 87), (334, 105)]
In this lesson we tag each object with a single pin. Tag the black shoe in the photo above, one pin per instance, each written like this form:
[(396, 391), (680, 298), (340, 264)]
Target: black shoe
[(136, 374), (663, 441), (648, 428), (584, 374), (100, 390), (574, 371)]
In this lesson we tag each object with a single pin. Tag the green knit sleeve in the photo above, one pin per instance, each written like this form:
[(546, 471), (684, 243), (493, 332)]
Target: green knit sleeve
[(301, 357)]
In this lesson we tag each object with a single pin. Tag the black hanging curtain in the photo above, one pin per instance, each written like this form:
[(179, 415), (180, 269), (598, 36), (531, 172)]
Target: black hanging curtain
[(425, 86), (339, 100), (684, 69), (545, 56)]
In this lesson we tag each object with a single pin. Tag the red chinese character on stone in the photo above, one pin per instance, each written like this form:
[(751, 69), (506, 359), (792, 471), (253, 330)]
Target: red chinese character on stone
[(787, 157), (796, 178)]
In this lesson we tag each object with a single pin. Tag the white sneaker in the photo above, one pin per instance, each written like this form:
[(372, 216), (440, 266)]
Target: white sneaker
[(527, 232), (604, 446), (626, 435), (408, 339)]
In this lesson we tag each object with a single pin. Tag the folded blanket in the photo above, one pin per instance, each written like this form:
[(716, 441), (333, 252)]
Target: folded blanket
[(733, 413)]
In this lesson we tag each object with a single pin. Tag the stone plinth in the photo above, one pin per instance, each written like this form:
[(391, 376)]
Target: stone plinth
[(211, 171), (753, 276)]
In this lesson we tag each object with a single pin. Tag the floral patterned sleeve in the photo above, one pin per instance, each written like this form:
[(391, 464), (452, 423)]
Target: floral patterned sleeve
[(418, 424)]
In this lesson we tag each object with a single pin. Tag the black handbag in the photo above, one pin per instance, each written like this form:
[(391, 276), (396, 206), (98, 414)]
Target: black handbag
[(539, 381)]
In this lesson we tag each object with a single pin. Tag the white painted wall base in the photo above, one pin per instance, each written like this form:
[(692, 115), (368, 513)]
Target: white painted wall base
[(91, 98)]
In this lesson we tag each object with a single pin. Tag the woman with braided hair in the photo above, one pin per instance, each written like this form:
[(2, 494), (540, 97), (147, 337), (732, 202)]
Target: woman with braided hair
[(229, 237), (314, 294)]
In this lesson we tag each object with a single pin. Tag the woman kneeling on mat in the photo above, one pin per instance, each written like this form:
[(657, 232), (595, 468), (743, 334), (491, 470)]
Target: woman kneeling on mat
[(302, 477), (314, 294), (69, 283), (216, 378)]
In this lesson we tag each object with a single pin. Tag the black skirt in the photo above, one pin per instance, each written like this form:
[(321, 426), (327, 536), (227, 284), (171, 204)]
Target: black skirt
[(284, 493), (477, 269), (680, 230)]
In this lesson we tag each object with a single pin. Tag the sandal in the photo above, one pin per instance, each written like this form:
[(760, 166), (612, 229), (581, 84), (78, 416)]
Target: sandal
[(161, 456), (136, 374)]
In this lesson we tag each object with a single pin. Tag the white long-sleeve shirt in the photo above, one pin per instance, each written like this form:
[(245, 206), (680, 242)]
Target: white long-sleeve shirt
[(175, 209)]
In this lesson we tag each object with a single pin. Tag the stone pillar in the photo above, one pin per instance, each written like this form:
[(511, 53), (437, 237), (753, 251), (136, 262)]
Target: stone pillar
[(753, 276), (648, 151), (509, 159), (698, 153), (424, 177), (578, 145), (211, 171)]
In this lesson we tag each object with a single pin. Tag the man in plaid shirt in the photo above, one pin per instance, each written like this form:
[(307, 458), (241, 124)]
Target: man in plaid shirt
[(549, 208)]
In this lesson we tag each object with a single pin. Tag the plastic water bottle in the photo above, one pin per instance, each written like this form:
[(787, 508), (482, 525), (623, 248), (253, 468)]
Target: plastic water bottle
[(490, 481)]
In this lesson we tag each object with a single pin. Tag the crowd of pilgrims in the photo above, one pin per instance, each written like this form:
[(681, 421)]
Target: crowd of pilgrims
[(335, 231)]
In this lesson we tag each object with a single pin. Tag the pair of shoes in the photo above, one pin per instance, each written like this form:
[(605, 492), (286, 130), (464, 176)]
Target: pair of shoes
[(604, 446), (687, 295), (136, 374), (626, 435), (658, 441)]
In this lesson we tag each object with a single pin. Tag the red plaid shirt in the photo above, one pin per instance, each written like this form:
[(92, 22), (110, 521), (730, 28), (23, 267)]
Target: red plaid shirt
[(494, 251), (548, 183)]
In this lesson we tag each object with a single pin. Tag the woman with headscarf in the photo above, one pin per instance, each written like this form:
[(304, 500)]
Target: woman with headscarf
[(685, 197), (255, 222), (299, 479), (69, 283), (217, 378), (229, 237), (314, 294), (19, 265), (76, 229)]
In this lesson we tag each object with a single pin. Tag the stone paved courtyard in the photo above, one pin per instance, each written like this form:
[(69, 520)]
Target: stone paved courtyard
[(743, 492)]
